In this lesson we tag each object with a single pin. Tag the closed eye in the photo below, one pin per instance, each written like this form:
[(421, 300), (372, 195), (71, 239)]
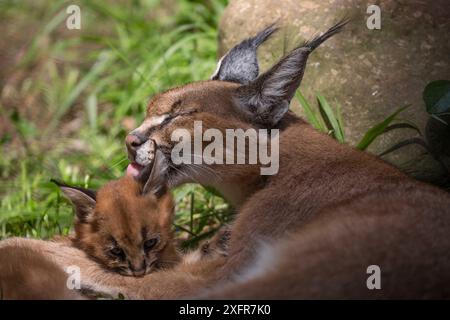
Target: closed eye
[(169, 117)]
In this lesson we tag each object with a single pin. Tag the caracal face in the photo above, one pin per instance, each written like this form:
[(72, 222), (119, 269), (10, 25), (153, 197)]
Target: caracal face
[(126, 225), (127, 232), (210, 102)]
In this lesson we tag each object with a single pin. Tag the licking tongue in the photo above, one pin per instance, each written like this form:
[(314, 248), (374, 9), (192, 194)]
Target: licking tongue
[(145, 153), (134, 169)]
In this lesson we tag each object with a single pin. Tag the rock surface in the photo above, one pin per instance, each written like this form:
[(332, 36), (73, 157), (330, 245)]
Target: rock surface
[(369, 72)]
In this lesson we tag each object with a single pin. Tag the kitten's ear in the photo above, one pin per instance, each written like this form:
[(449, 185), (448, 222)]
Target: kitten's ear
[(240, 64), (83, 200), (156, 183), (266, 99), (166, 208)]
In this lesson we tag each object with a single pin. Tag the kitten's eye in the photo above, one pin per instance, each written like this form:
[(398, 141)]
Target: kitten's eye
[(149, 244), (117, 252)]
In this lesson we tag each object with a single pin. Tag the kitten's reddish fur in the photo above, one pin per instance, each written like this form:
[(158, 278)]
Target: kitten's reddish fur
[(123, 218)]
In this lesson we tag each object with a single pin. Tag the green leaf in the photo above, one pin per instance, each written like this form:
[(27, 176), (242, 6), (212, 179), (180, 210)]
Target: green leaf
[(378, 129), (340, 120), (311, 116), (213, 191), (330, 118), (403, 125), (405, 143), (435, 116), (437, 96)]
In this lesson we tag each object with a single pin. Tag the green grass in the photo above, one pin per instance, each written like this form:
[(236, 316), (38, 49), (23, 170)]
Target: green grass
[(89, 87)]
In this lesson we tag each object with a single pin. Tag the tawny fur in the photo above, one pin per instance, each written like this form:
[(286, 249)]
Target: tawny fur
[(403, 231), (48, 259), (28, 272)]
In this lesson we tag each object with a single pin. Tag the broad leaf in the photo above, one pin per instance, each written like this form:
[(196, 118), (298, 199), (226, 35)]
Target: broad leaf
[(437, 97)]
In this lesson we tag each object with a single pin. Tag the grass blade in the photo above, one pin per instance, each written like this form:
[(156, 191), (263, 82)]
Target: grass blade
[(378, 129), (340, 120), (101, 64), (402, 125), (311, 116), (405, 143), (330, 117)]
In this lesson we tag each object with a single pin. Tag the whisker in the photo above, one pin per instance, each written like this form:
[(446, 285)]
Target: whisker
[(184, 173), (196, 170), (114, 165), (207, 170), (205, 167)]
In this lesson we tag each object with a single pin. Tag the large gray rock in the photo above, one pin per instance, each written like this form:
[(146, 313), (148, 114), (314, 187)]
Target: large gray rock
[(369, 72)]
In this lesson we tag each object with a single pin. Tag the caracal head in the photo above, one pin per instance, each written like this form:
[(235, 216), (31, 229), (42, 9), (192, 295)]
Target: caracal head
[(235, 97), (126, 225)]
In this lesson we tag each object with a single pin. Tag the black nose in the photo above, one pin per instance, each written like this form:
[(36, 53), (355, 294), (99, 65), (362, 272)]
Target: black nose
[(133, 141)]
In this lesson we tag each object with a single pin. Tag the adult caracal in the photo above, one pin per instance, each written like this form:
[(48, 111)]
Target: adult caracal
[(310, 231), (331, 210)]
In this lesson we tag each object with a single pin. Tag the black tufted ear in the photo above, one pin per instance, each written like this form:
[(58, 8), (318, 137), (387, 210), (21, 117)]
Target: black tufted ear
[(266, 99), (240, 64)]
